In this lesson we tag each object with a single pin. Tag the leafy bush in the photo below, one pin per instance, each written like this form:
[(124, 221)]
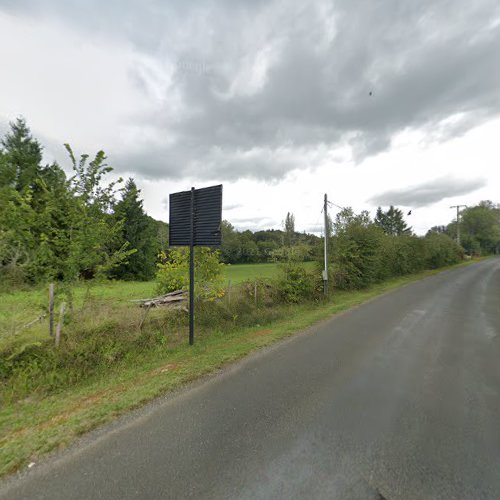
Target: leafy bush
[(363, 254), (402, 255), (441, 250), (173, 272), (296, 283), (357, 252)]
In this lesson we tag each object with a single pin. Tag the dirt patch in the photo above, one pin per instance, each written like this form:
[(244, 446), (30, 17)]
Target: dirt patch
[(261, 333)]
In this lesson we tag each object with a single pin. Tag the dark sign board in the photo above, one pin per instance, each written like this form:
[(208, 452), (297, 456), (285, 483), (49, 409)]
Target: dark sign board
[(200, 211), (195, 220)]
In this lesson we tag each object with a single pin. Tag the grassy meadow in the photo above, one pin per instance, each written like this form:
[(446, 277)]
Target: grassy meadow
[(20, 307)]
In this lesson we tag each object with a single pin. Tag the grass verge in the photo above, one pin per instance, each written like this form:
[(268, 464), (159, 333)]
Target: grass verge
[(36, 425)]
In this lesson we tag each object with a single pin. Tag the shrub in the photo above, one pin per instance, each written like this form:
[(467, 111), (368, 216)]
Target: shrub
[(295, 283), (441, 250), (173, 272), (357, 255)]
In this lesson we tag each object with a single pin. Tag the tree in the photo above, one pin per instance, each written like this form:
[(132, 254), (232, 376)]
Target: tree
[(289, 227), (230, 246), (392, 222), (438, 229), (357, 254), (140, 235), (480, 228), (95, 236), (34, 209), (23, 156)]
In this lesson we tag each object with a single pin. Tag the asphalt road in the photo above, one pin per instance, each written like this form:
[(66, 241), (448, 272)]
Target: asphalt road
[(397, 399)]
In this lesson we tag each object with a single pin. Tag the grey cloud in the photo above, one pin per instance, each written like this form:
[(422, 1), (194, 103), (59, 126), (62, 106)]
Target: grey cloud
[(428, 193), (227, 208), (423, 62), (254, 223)]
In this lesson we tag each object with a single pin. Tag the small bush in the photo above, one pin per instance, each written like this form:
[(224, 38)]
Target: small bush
[(296, 284), (173, 272)]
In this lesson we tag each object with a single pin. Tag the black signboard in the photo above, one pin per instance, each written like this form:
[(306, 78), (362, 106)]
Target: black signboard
[(195, 220), (206, 215)]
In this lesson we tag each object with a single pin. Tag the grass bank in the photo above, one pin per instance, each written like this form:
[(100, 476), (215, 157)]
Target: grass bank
[(39, 423)]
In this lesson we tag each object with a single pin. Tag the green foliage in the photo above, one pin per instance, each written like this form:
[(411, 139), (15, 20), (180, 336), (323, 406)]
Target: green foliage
[(480, 228), (140, 235), (295, 282), (230, 248), (264, 246), (363, 253), (173, 272), (357, 252), (403, 255), (392, 221), (22, 157), (441, 250), (54, 228), (289, 229), (297, 253), (94, 244)]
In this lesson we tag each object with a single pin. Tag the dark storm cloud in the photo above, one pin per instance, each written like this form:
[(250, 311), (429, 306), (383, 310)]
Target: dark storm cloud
[(422, 62), (427, 193)]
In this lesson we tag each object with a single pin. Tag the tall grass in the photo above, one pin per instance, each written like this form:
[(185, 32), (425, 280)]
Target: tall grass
[(100, 336)]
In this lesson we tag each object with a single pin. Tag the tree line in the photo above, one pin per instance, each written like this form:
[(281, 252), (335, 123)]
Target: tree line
[(55, 227), (366, 251), (479, 228), (59, 227)]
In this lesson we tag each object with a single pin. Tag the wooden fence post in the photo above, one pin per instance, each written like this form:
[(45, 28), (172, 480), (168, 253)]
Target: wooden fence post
[(255, 292), (51, 309), (229, 292), (60, 324)]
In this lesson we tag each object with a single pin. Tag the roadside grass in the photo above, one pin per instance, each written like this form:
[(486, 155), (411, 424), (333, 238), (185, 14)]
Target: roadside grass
[(20, 307), (40, 423)]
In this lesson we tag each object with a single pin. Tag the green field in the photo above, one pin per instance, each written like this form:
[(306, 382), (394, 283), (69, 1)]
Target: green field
[(241, 272)]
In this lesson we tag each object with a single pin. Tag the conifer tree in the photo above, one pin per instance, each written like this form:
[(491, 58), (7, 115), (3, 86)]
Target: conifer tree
[(139, 233)]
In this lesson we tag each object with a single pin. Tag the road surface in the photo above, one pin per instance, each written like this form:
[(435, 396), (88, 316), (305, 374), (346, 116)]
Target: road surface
[(397, 399)]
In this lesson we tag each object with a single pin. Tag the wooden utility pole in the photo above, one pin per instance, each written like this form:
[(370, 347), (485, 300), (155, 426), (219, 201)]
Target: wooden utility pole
[(458, 220), (325, 270)]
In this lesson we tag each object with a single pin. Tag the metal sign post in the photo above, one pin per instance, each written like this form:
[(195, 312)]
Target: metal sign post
[(191, 272), (195, 220)]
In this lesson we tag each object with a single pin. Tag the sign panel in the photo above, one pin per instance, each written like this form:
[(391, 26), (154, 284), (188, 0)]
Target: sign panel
[(200, 211)]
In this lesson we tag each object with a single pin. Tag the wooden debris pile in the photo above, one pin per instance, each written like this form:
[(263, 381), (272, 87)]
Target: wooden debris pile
[(169, 299)]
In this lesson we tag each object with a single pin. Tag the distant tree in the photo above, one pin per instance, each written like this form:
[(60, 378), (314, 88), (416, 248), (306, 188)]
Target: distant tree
[(249, 248), (139, 233), (230, 248), (438, 229), (23, 155), (480, 228), (161, 229), (392, 222), (289, 228)]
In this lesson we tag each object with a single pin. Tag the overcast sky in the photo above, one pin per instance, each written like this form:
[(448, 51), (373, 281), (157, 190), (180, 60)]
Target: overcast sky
[(373, 102)]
